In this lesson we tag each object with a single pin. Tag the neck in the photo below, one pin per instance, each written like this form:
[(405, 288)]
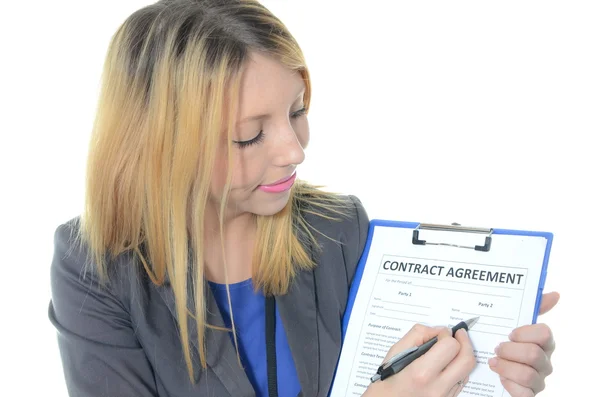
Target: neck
[(228, 258)]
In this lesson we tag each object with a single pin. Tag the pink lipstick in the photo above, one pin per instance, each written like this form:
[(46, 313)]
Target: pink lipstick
[(279, 186)]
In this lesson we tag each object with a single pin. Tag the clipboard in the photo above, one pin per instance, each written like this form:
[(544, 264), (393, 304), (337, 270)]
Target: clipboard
[(490, 252), (486, 246)]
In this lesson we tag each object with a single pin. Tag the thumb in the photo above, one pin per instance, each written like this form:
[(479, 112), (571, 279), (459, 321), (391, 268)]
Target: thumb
[(549, 300)]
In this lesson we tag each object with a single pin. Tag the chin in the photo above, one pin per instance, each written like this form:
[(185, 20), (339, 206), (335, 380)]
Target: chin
[(270, 206)]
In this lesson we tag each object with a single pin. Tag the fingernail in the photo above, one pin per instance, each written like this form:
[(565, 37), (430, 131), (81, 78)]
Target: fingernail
[(496, 349), (493, 362)]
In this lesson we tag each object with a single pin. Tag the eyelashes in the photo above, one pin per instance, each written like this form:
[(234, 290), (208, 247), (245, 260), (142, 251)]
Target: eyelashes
[(256, 140), (299, 113), (261, 136)]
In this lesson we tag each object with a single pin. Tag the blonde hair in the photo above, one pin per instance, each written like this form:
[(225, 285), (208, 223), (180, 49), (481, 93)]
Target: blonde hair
[(170, 71)]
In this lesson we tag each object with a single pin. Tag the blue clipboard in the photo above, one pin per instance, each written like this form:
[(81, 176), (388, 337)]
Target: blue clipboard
[(415, 225)]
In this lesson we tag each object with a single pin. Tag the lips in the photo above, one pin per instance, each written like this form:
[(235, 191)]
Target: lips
[(279, 186), (282, 180)]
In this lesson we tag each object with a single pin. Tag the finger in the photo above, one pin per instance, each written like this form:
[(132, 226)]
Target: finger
[(521, 374), (416, 336), (516, 390), (428, 367), (420, 334), (457, 388), (526, 353), (549, 300), (540, 334), (461, 366)]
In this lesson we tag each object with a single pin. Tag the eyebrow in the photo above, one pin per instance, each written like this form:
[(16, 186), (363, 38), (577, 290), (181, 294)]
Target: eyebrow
[(265, 115), (252, 118)]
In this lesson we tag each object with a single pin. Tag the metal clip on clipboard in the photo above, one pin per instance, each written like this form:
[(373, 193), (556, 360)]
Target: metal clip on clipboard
[(455, 227)]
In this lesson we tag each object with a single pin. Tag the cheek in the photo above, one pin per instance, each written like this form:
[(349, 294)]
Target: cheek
[(219, 176), (249, 166)]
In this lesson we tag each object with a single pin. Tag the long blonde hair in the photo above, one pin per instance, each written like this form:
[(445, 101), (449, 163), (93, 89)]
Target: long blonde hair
[(170, 71)]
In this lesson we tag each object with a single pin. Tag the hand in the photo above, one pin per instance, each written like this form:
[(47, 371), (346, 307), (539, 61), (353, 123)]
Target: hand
[(524, 362), (441, 372)]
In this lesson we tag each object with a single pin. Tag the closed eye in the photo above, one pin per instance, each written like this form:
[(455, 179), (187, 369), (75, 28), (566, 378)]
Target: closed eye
[(260, 136), (254, 141), (299, 113)]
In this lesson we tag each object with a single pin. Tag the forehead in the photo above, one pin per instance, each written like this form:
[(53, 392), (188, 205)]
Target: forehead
[(267, 85)]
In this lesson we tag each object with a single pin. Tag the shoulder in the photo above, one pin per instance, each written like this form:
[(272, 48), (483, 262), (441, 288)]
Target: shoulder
[(341, 232), (77, 290), (97, 337), (72, 256), (348, 225), (70, 259)]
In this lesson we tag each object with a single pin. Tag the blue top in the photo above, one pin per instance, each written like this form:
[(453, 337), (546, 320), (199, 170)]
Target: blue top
[(249, 312)]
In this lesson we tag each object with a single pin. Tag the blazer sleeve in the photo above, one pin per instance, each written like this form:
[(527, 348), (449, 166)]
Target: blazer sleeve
[(100, 353), (356, 238)]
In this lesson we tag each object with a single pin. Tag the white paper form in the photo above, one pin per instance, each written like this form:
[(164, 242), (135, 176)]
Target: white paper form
[(404, 284)]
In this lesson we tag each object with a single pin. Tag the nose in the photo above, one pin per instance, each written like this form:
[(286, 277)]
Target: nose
[(288, 149)]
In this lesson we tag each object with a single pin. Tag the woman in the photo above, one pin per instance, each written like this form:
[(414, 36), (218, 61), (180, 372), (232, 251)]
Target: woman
[(199, 252)]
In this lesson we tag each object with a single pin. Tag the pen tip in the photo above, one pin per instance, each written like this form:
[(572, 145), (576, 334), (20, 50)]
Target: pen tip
[(471, 322)]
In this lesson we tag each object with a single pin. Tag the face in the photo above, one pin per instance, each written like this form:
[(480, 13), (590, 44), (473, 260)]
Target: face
[(270, 136)]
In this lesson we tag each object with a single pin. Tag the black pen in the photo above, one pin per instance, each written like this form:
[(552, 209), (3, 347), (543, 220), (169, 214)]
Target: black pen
[(398, 362)]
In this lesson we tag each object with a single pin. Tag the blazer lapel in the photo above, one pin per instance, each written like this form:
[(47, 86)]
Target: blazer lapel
[(298, 311), (221, 357)]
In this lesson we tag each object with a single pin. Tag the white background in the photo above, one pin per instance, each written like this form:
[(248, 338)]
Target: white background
[(482, 113)]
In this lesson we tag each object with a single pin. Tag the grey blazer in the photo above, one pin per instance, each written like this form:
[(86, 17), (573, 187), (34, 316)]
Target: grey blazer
[(123, 341)]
